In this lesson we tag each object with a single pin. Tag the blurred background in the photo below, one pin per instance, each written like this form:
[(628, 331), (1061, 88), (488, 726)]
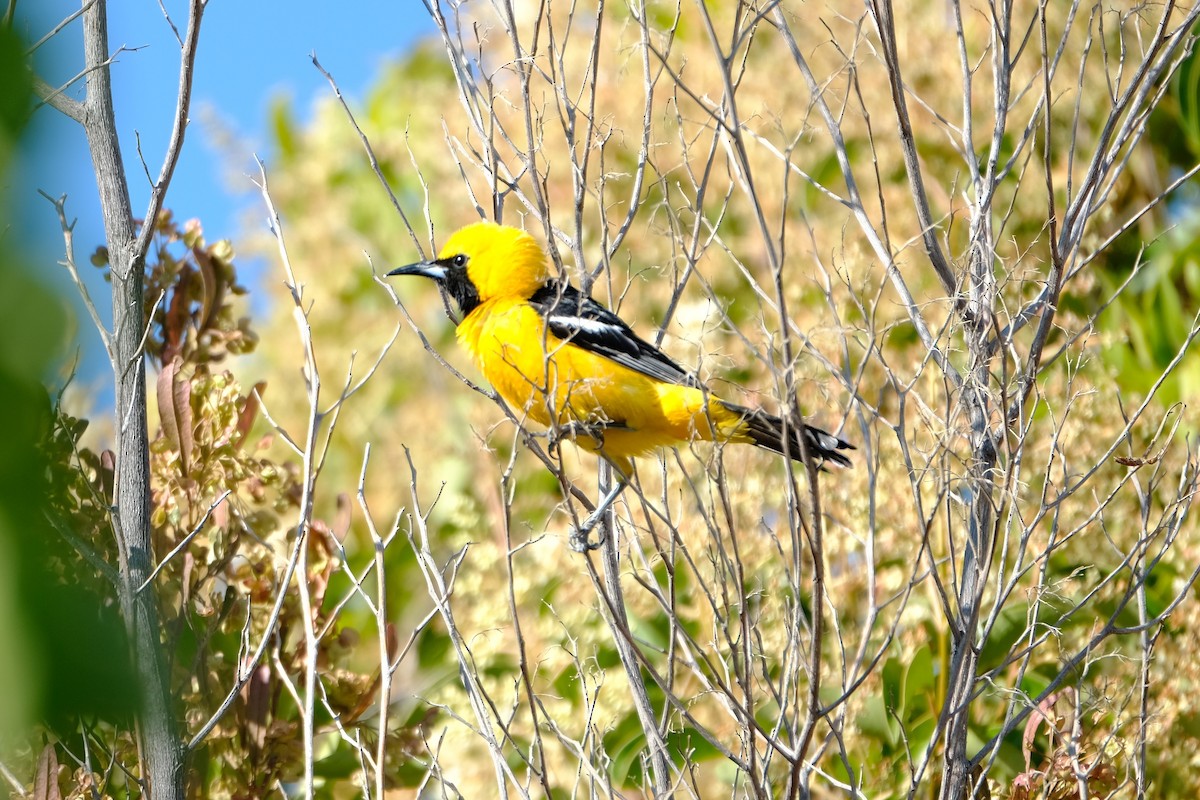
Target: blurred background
[(419, 483)]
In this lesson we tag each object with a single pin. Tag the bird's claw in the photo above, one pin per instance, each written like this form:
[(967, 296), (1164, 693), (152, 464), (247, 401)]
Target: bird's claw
[(579, 538), (580, 541), (570, 431)]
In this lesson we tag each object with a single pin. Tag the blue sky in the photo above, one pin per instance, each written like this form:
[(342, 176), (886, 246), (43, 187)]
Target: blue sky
[(250, 52)]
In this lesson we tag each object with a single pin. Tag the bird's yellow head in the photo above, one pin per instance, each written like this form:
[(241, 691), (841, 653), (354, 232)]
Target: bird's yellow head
[(483, 262)]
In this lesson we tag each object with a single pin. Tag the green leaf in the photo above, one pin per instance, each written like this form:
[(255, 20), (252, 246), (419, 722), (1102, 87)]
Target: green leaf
[(607, 657), (688, 746), (341, 763), (1010, 625), (918, 682), (1187, 92), (566, 684), (433, 645), (624, 744), (893, 683), (875, 720), (655, 631)]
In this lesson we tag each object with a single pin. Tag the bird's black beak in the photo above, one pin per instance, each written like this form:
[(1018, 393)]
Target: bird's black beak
[(450, 275), (426, 269)]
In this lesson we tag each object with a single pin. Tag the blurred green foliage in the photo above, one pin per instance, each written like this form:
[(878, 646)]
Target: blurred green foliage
[(210, 438), (64, 655), (1154, 315)]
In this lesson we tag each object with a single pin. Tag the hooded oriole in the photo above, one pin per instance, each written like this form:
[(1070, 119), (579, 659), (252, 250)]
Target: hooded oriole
[(566, 362)]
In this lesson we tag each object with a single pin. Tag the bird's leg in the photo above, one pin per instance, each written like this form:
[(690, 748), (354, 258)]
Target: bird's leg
[(573, 430), (579, 537), (567, 431)]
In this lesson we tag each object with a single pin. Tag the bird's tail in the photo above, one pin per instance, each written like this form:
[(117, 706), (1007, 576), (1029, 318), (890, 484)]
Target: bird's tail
[(767, 431)]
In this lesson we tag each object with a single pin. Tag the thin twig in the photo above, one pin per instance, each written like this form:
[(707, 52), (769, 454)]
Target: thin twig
[(183, 543), (183, 103)]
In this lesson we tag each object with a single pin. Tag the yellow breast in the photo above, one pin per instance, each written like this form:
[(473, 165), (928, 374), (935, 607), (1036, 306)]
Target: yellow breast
[(548, 381)]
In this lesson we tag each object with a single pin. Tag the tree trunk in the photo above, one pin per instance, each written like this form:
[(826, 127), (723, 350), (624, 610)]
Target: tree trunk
[(159, 742)]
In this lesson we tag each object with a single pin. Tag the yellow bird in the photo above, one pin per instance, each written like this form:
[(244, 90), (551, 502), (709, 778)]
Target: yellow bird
[(565, 362)]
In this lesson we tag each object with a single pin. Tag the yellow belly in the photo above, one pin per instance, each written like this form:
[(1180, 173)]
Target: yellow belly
[(548, 381)]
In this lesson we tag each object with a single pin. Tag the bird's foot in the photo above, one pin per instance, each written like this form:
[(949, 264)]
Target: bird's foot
[(570, 431), (577, 429), (580, 538)]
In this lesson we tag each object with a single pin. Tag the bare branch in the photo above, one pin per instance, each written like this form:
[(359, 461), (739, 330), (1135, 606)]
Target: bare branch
[(183, 102), (186, 540), (68, 229), (12, 7), (886, 26), (370, 153)]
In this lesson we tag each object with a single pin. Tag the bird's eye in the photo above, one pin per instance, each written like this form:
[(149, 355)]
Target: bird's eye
[(459, 261)]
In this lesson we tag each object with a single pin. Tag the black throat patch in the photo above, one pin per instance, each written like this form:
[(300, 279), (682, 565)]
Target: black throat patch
[(458, 285)]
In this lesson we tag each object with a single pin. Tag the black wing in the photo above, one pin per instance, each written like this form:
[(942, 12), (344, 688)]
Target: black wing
[(572, 316)]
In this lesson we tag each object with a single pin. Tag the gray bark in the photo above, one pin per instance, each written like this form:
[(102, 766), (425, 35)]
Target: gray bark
[(160, 744)]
